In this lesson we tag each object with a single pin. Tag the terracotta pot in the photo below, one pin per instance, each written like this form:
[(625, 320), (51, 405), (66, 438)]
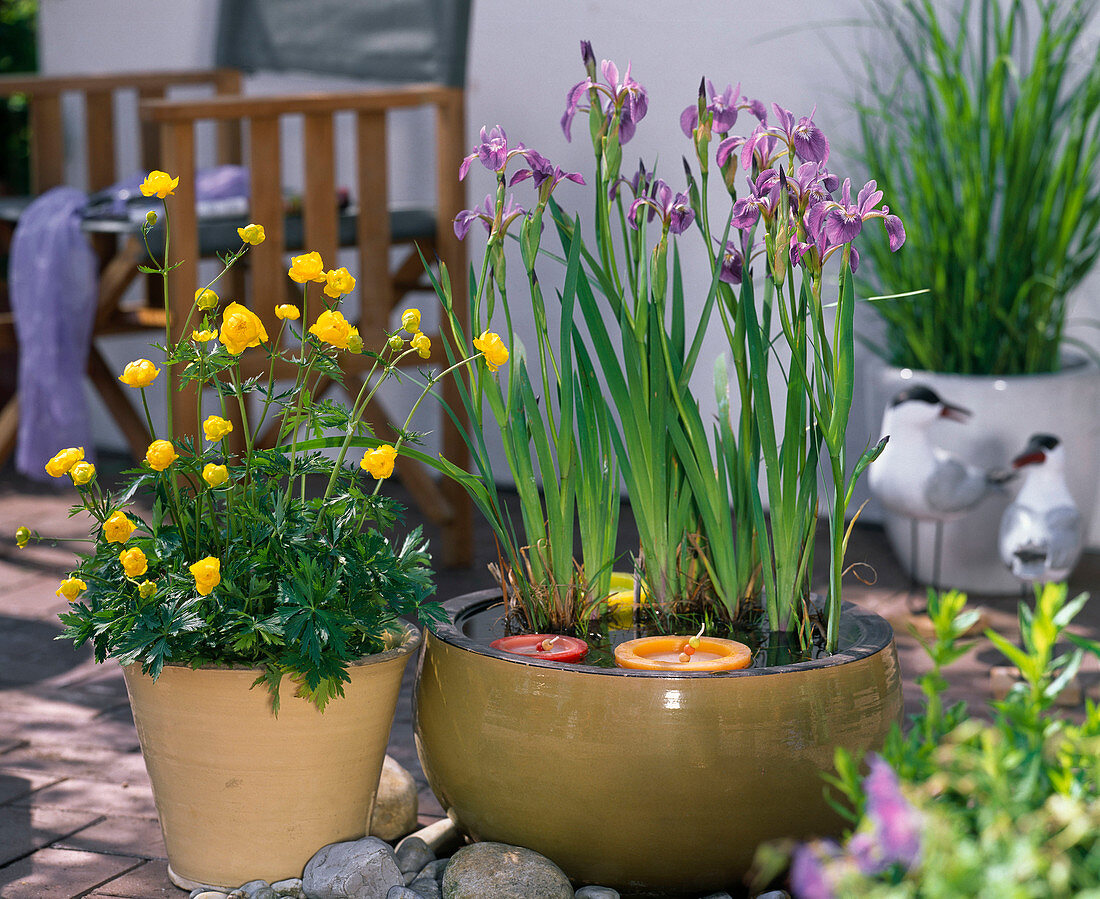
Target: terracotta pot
[(245, 795), (643, 781)]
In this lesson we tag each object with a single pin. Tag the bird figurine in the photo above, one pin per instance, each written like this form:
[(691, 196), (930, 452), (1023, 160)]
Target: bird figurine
[(1041, 531), (919, 480)]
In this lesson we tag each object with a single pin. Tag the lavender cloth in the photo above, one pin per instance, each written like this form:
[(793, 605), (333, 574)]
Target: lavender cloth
[(52, 285)]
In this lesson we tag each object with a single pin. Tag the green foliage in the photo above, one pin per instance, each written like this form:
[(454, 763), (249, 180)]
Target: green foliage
[(18, 53), (987, 138)]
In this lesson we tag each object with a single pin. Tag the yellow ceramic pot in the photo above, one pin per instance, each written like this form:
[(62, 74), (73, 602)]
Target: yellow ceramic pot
[(644, 781), (244, 795)]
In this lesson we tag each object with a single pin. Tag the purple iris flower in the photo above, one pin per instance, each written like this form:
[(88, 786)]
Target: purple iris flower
[(763, 198), (486, 213), (810, 870), (493, 151), (545, 175), (807, 140), (722, 107), (810, 183), (895, 835), (759, 146), (626, 98), (734, 261), (675, 211), (640, 185), (815, 222), (843, 220)]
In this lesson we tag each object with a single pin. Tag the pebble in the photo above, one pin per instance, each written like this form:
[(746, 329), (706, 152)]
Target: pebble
[(289, 889), (204, 893), (396, 805), (718, 896), (427, 888), (254, 889), (482, 870), (412, 854), (595, 892), (775, 894), (403, 893), (361, 869)]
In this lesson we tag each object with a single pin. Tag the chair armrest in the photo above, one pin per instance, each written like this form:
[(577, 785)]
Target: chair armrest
[(151, 80)]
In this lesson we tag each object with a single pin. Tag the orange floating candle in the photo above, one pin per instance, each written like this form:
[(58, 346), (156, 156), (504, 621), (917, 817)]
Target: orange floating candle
[(672, 653), (554, 647)]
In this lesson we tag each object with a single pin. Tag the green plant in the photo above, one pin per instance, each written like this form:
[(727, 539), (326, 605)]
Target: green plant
[(239, 563), (987, 139), (18, 53)]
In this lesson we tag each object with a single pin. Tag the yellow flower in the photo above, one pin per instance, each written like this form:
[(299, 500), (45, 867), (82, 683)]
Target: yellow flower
[(146, 589), (206, 299), (492, 348), (241, 329), (286, 310), (150, 218), (139, 373), (215, 427), (118, 528), (71, 588), (355, 342), (410, 320), (159, 184), (338, 282), (160, 455), (422, 344), (307, 267), (207, 573), (379, 461), (22, 536), (332, 327), (395, 342), (203, 335), (133, 562), (215, 475), (252, 234), (82, 473), (64, 460)]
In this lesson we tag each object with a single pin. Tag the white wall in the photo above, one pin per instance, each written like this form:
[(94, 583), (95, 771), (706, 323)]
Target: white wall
[(523, 58)]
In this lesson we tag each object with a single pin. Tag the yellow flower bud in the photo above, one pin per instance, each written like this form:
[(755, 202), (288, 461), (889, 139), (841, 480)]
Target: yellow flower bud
[(215, 475), (241, 329), (146, 589), (206, 299), (64, 460), (355, 342), (207, 574), (332, 328), (22, 536), (71, 588), (159, 184), (410, 320), (338, 282), (307, 267), (379, 461), (422, 344), (133, 562), (252, 234), (118, 528), (150, 218), (139, 373), (82, 473), (395, 343), (203, 335), (215, 427), (288, 311), (492, 348), (160, 455)]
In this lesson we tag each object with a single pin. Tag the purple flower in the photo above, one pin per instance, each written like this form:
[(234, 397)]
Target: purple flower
[(722, 107), (844, 220), (626, 100), (763, 198), (732, 269), (808, 142), (810, 870), (640, 185), (895, 824), (675, 211), (487, 213), (546, 176)]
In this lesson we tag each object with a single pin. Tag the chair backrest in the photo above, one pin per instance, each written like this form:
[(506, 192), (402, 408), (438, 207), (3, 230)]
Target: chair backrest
[(404, 42)]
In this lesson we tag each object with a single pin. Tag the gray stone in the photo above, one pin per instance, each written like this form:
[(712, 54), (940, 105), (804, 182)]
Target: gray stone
[(427, 888), (412, 854), (361, 869), (771, 894), (289, 889), (254, 889), (722, 895), (397, 803), (403, 893), (596, 892), (203, 893), (410, 876), (434, 870), (503, 872)]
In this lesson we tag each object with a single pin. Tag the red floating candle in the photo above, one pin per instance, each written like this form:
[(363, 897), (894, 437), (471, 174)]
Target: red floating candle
[(554, 647)]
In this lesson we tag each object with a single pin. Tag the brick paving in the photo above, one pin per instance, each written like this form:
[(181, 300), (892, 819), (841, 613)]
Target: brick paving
[(76, 813)]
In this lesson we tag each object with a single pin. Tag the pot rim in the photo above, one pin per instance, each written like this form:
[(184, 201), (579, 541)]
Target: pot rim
[(875, 635), (1072, 362)]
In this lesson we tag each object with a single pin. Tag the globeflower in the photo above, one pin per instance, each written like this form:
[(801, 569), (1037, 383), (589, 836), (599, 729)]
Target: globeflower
[(133, 562), (64, 460), (118, 528), (146, 589), (206, 299), (139, 373), (22, 536), (71, 588), (410, 320), (82, 473), (288, 311), (160, 455), (215, 475), (422, 344), (379, 461), (215, 427), (207, 574), (332, 328), (252, 234), (159, 184), (492, 348), (241, 329), (338, 282), (203, 335), (307, 267)]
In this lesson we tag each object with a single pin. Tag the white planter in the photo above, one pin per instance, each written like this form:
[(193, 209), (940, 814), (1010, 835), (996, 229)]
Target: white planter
[(1006, 412)]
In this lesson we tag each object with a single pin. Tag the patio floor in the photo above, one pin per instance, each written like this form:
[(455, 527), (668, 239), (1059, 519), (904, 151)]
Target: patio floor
[(76, 813)]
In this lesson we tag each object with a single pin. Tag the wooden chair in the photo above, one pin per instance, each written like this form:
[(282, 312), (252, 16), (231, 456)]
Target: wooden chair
[(368, 225), (104, 99)]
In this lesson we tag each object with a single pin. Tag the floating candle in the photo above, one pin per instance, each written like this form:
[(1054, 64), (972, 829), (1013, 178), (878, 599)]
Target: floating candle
[(678, 653), (554, 647), (620, 602)]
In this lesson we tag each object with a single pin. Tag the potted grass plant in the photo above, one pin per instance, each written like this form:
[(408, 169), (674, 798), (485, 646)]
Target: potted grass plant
[(987, 138), (588, 763), (255, 596)]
